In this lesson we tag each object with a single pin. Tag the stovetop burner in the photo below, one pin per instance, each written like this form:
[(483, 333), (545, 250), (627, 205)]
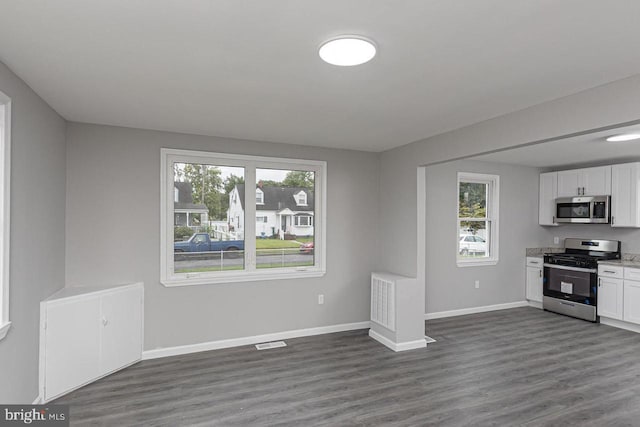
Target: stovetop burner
[(584, 253)]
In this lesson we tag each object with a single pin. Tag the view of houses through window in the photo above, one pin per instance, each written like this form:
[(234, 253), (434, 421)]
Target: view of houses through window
[(285, 239), (209, 218), (205, 237)]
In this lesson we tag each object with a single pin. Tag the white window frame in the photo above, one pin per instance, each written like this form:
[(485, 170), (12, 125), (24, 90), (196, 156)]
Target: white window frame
[(493, 211), (260, 193), (167, 275), (5, 211)]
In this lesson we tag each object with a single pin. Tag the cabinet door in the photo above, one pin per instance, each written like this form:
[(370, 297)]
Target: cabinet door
[(624, 195), (610, 298), (547, 199), (596, 181), (121, 322), (72, 342), (534, 284), (568, 183), (631, 301)]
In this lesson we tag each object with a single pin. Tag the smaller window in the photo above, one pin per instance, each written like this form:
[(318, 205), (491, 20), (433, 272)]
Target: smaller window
[(259, 197), (301, 199), (478, 207), (261, 219), (303, 221)]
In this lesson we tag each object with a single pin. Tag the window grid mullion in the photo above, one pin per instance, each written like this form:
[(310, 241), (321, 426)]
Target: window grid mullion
[(250, 217)]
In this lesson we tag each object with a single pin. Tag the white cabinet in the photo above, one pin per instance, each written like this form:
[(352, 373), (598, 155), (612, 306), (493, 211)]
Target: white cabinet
[(534, 279), (569, 183), (547, 199), (610, 297), (631, 301), (625, 211), (87, 333), (585, 182)]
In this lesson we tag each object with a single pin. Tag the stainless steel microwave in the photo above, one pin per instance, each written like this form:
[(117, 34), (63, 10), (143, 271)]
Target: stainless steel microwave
[(583, 210)]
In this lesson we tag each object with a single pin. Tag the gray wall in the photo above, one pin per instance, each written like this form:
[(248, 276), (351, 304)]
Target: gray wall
[(449, 287), (629, 237), (37, 232), (602, 106), (113, 202)]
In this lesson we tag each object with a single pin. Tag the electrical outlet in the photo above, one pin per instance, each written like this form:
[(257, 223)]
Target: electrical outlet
[(477, 284), (556, 240), (320, 299)]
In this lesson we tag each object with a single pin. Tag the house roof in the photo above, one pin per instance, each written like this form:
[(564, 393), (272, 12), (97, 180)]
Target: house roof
[(185, 197), (279, 198), (190, 207)]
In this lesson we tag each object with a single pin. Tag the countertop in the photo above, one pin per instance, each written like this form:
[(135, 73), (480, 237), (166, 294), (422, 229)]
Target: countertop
[(539, 252), (628, 260)]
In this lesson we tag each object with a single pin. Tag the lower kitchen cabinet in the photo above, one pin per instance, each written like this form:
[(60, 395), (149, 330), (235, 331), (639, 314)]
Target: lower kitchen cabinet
[(534, 279), (631, 301), (610, 297), (534, 284)]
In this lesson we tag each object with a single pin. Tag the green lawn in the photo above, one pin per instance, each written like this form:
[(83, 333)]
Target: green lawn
[(276, 244)]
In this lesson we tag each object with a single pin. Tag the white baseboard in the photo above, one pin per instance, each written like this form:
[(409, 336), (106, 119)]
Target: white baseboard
[(535, 304), (256, 339), (474, 310), (620, 324), (401, 346)]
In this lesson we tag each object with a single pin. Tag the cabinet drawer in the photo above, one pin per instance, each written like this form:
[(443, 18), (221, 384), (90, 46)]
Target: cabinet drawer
[(610, 270), (632, 273), (535, 262)]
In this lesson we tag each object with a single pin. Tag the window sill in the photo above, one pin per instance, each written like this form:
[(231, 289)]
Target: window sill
[(476, 263), (4, 329), (243, 277)]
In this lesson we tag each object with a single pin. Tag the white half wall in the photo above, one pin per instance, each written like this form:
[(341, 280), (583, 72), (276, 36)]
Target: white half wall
[(113, 224), (37, 231)]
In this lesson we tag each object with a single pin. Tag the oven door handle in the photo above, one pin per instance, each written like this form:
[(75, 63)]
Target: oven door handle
[(564, 267)]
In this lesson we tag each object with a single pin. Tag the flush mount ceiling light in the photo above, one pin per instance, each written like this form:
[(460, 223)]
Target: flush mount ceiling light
[(347, 51), (624, 137)]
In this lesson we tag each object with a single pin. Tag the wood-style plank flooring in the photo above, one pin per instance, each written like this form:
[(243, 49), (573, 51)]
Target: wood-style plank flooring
[(519, 367)]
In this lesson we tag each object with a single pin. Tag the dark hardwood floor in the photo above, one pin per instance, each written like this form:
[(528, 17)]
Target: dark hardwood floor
[(519, 367)]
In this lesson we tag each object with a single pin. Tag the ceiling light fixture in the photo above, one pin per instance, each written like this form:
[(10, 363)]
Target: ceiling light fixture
[(347, 51), (624, 137)]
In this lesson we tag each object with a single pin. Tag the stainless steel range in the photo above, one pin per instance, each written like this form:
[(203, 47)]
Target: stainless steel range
[(570, 284)]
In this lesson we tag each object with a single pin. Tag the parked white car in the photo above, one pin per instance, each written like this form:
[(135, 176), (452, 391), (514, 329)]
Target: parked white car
[(471, 244)]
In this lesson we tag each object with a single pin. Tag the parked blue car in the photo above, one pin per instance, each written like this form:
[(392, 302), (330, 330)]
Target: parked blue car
[(201, 242)]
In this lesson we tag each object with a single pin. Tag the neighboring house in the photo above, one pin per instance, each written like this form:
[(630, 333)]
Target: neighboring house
[(279, 210), (187, 213)]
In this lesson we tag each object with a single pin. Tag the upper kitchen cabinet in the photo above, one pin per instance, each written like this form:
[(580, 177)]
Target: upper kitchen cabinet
[(547, 200), (625, 211), (585, 182)]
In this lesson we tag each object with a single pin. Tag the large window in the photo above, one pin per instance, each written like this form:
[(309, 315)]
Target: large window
[(207, 205), (5, 174), (478, 206)]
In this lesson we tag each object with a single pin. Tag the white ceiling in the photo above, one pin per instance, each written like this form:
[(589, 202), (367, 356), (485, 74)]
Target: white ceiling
[(578, 150), (250, 69)]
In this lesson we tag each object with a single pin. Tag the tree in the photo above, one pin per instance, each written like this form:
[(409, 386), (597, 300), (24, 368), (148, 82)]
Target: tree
[(303, 179), (231, 181), (472, 203), (206, 187)]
